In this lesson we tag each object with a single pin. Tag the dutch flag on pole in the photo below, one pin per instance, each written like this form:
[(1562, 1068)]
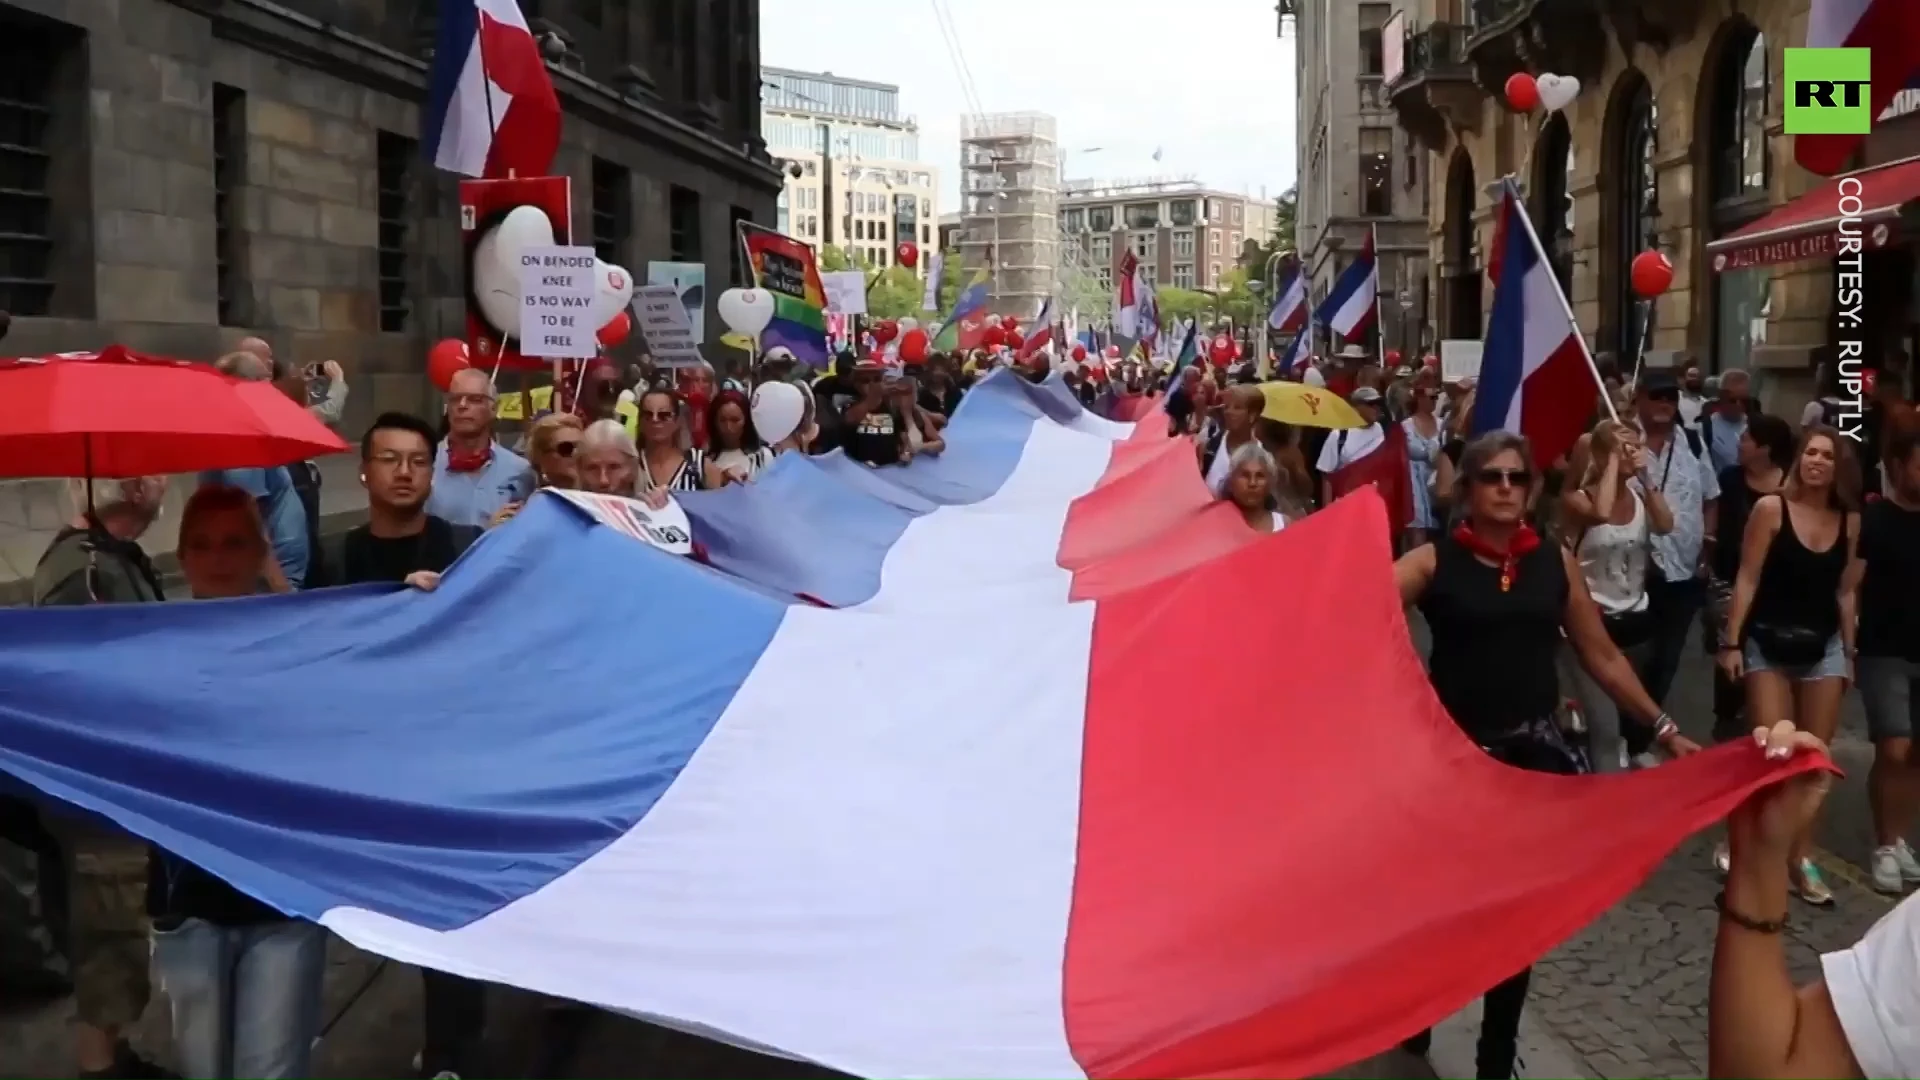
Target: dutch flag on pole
[(1290, 308), (491, 110), (1042, 331), (1349, 308), (1536, 377), (1295, 361)]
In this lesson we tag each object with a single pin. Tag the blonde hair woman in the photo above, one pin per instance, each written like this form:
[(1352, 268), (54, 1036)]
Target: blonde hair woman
[(553, 447)]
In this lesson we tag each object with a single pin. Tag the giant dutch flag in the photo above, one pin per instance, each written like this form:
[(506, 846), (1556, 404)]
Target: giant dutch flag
[(959, 823)]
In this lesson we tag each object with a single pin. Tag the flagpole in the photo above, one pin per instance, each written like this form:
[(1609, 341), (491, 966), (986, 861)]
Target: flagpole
[(1379, 324), (1509, 191)]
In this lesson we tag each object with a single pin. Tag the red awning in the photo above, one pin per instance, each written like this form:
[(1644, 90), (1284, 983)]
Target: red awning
[(1807, 227)]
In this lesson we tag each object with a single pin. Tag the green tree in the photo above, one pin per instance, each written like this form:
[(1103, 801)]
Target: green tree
[(1178, 305), (1278, 242), (834, 258), (953, 278), (894, 293), (1234, 300)]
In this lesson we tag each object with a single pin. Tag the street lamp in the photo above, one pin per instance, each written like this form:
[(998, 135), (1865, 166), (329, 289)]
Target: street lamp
[(1404, 298)]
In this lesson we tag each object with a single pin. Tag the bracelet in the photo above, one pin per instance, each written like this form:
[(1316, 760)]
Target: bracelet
[(1664, 726), (1746, 922)]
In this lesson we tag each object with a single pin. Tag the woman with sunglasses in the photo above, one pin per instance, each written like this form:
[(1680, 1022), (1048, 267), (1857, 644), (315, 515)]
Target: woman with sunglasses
[(667, 462), (553, 445), (1425, 439), (1496, 600)]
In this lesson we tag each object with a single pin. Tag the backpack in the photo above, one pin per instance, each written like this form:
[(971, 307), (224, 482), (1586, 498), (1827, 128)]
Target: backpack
[(1693, 441)]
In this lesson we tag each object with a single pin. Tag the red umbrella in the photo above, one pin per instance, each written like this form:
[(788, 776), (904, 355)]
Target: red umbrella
[(117, 414)]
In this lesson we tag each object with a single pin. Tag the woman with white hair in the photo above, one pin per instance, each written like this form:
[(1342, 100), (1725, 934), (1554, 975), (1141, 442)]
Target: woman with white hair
[(1253, 486), (609, 463)]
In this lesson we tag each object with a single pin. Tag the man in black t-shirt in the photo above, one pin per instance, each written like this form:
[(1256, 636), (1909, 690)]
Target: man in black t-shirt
[(873, 430), (401, 542)]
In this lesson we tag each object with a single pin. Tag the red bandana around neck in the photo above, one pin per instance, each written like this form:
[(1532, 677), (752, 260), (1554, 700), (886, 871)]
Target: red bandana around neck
[(1524, 542), (468, 460)]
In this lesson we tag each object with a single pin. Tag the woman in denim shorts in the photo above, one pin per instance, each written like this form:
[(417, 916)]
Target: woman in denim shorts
[(1790, 633)]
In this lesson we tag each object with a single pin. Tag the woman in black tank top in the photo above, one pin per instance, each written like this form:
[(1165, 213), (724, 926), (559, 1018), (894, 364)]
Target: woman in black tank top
[(1496, 599), (1790, 631)]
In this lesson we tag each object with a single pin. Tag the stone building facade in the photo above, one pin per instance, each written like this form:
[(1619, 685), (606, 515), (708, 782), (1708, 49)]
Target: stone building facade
[(1360, 173), (1674, 142), (175, 174)]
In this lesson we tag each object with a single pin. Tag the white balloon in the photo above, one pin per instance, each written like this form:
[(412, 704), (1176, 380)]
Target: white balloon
[(1557, 91), (1312, 377), (746, 311), (993, 320), (778, 408), (496, 265), (612, 292), (932, 329), (908, 323)]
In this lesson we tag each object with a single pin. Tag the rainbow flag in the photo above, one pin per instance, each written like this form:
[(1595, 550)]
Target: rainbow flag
[(964, 326), (785, 267)]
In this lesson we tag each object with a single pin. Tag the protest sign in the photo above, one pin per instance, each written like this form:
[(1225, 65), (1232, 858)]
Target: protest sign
[(556, 299)]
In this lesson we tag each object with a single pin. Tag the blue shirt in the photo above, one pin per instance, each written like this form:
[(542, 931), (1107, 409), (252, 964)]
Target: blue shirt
[(1723, 440), (280, 510), (472, 498)]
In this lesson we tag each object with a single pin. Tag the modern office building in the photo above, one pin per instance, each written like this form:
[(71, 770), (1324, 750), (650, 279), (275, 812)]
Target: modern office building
[(854, 178), (176, 175), (1360, 173), (1186, 234), (1009, 195)]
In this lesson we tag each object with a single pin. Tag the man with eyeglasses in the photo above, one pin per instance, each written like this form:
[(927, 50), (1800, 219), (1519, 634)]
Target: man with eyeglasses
[(474, 477)]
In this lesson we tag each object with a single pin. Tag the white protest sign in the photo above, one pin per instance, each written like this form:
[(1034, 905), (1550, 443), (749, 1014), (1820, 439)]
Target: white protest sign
[(666, 528), (1460, 359), (846, 292), (556, 297), (665, 326)]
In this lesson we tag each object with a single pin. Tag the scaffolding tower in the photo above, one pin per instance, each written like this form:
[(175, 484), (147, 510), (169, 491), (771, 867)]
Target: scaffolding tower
[(1010, 207)]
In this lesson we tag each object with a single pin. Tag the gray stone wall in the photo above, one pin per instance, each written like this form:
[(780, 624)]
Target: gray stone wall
[(136, 251)]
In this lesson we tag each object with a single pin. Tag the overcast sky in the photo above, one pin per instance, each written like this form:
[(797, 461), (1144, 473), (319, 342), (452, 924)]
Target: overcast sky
[(1222, 111)]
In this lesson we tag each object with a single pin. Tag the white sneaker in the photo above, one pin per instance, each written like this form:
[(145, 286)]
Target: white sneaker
[(1722, 859), (1887, 877), (1645, 761)]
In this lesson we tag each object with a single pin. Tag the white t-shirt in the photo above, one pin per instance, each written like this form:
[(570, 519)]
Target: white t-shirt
[(1359, 443), (1279, 521), (1876, 993)]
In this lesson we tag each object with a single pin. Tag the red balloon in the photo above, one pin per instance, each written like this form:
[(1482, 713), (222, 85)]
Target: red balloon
[(1221, 350), (444, 360), (907, 254), (1391, 359), (885, 331), (616, 330), (1430, 362), (1015, 339), (1079, 353), (1113, 352), (913, 346), (1652, 274), (1523, 93), (1009, 323), (993, 337)]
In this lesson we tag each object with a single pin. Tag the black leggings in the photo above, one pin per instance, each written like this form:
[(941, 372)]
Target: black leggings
[(1499, 1045)]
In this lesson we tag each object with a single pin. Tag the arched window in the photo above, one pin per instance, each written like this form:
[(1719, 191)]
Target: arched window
[(1740, 82), (1636, 213), (1462, 284), (1551, 197)]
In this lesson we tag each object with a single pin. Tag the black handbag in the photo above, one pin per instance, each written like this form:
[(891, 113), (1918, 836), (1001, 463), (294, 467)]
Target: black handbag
[(1789, 646)]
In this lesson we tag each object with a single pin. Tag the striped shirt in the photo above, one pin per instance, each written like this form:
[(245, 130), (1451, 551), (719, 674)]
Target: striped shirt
[(689, 476)]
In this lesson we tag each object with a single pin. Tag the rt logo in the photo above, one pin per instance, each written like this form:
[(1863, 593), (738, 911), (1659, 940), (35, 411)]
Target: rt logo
[(1828, 91)]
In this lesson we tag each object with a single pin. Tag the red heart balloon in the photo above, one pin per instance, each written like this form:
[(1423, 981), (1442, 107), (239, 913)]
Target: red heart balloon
[(446, 359)]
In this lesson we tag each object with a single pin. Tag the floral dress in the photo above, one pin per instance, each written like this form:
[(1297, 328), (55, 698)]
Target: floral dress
[(1422, 452)]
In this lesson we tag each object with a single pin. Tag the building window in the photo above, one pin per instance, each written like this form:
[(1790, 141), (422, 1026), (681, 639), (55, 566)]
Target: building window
[(1076, 220), (1376, 171), (612, 209), (1105, 276), (1183, 245), (1182, 212), (1213, 276), (926, 234), (1143, 215), (1635, 218), (736, 257), (1183, 274), (394, 156), (879, 230), (860, 230), (229, 170), (1152, 274), (1145, 244), (1100, 219), (26, 195), (1213, 241), (1737, 148), (683, 224), (1101, 248), (1373, 17), (1213, 209)]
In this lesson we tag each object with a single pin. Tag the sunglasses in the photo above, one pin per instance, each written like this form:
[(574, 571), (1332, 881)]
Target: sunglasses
[(658, 414), (566, 449), (1669, 396), (1503, 478)]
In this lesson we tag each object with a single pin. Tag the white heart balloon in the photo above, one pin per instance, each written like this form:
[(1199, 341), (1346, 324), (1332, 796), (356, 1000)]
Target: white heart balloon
[(1557, 91), (612, 292), (496, 265), (777, 409), (908, 323), (746, 311)]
